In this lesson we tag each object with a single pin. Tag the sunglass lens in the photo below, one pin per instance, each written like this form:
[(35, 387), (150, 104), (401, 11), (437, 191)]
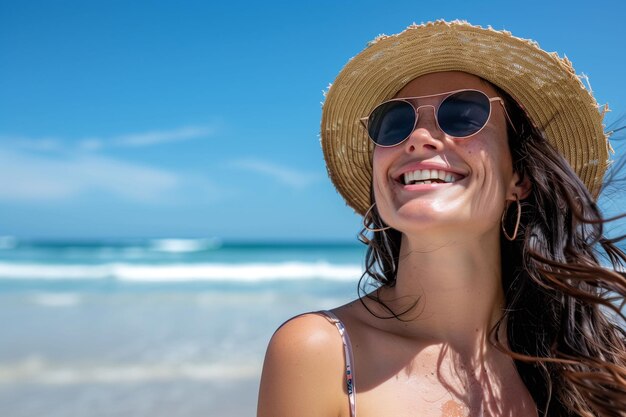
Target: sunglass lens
[(464, 113), (391, 123)]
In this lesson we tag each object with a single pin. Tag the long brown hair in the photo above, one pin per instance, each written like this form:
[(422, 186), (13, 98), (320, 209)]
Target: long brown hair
[(564, 284)]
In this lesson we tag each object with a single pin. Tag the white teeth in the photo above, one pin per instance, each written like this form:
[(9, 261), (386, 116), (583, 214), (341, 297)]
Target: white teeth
[(426, 176)]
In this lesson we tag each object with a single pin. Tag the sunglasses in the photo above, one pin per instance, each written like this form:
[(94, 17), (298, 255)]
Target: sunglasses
[(460, 115)]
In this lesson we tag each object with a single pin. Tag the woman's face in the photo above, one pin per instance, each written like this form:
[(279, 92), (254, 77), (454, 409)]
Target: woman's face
[(481, 166)]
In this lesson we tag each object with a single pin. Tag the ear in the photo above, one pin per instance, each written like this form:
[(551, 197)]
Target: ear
[(519, 186)]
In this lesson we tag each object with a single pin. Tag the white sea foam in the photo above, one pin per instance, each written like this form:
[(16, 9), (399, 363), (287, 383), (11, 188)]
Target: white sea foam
[(183, 245), (249, 272), (56, 299), (53, 271), (38, 371)]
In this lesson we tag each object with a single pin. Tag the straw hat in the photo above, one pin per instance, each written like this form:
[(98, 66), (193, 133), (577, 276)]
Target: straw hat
[(545, 85)]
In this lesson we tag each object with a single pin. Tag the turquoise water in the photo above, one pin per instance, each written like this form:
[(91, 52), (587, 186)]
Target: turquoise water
[(171, 263), (153, 327)]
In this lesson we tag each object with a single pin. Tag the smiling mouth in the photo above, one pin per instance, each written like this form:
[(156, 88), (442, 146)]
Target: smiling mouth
[(429, 176)]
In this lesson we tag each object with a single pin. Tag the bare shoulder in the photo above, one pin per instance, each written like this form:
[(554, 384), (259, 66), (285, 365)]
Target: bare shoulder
[(303, 370)]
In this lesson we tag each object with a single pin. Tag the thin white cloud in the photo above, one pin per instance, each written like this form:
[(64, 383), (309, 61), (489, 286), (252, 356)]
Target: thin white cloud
[(30, 144), (28, 177), (93, 144), (288, 176), (158, 137), (151, 138)]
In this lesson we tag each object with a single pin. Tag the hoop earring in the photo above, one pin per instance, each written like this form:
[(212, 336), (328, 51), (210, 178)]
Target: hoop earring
[(369, 229), (519, 217)]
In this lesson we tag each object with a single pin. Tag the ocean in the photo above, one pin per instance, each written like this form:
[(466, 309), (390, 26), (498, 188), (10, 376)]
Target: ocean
[(153, 327)]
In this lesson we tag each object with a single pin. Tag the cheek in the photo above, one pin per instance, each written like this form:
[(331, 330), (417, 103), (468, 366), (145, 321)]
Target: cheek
[(378, 188), (493, 168), (380, 155), (380, 160), (492, 153)]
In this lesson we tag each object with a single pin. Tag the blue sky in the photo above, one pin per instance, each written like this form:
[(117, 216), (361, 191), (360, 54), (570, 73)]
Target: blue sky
[(197, 118)]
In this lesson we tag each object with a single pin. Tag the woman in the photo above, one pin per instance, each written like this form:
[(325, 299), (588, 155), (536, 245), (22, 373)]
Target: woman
[(475, 158)]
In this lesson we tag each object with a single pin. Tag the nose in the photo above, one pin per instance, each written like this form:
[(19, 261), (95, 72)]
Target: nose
[(426, 136)]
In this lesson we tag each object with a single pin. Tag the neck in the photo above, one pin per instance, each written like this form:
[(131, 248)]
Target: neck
[(458, 287)]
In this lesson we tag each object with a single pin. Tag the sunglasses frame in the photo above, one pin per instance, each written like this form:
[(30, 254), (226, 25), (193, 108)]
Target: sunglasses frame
[(412, 102)]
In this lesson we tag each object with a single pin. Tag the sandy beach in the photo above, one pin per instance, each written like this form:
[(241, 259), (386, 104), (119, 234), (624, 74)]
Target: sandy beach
[(151, 355), (103, 347)]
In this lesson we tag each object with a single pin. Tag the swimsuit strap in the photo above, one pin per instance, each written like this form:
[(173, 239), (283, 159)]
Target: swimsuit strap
[(347, 350)]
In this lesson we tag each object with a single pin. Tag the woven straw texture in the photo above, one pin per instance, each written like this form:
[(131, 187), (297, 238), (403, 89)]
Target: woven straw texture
[(545, 85)]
